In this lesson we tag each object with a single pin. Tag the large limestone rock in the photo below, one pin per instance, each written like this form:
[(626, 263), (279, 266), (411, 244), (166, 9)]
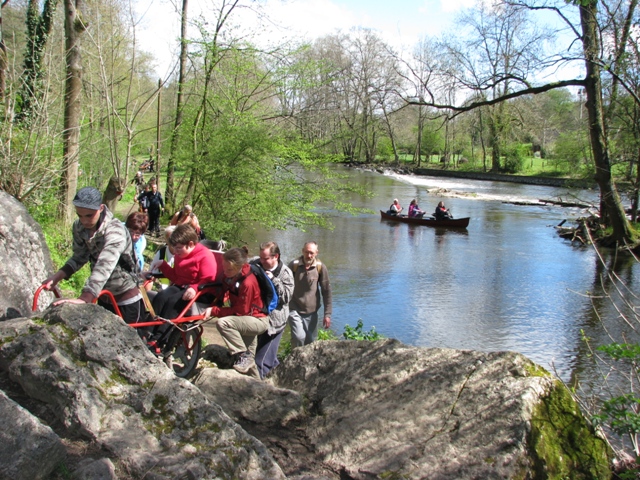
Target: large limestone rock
[(24, 257), (105, 386), (366, 410), (29, 450)]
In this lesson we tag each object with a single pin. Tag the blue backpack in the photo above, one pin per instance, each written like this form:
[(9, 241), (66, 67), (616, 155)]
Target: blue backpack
[(268, 292)]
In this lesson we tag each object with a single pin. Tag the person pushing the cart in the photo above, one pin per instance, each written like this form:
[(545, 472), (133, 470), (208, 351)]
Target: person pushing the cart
[(102, 240)]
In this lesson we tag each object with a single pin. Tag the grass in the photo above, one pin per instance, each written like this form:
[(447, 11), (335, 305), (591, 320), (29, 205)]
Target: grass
[(532, 166)]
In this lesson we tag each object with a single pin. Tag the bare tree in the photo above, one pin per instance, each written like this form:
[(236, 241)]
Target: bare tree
[(519, 81), (73, 28)]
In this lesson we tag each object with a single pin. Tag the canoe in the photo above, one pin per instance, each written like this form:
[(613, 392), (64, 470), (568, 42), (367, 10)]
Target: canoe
[(428, 221)]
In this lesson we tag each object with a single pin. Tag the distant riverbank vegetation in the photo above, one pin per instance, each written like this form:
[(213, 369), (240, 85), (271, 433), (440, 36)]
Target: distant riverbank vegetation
[(243, 131)]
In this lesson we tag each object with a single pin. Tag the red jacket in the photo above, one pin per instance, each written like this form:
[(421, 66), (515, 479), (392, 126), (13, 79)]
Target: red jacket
[(194, 269), (244, 293)]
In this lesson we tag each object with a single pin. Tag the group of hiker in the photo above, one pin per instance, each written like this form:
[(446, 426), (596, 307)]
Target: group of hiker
[(251, 331), (441, 213)]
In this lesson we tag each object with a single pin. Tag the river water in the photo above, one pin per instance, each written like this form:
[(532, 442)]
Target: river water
[(507, 282)]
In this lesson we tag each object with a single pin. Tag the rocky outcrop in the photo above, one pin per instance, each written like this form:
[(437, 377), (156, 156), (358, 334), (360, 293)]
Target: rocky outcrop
[(104, 386), (29, 450), (348, 410), (366, 410), (24, 257)]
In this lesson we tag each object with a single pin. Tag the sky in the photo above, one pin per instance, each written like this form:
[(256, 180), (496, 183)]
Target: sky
[(400, 23)]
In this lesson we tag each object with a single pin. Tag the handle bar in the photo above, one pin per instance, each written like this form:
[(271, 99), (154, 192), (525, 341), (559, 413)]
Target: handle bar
[(55, 290)]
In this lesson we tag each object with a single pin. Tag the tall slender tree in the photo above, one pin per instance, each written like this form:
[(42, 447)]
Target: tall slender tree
[(73, 28)]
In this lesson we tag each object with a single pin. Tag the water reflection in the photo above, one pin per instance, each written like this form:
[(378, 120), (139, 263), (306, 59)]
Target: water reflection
[(507, 282)]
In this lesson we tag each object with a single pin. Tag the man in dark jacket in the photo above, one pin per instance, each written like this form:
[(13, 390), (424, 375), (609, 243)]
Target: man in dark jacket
[(155, 205)]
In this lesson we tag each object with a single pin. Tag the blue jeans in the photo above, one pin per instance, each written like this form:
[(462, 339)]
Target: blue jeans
[(304, 328)]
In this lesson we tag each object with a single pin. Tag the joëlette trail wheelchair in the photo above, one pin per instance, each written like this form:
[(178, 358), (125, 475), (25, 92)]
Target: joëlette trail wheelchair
[(176, 341)]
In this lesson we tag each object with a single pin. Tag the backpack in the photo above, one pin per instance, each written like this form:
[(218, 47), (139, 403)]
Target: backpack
[(268, 292), (297, 262)]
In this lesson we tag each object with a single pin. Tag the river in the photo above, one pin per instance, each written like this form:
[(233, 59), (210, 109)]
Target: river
[(507, 282)]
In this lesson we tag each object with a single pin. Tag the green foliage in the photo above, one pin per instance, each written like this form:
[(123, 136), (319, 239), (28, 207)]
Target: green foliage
[(385, 149), (248, 173), (356, 333), (327, 334), (572, 149), (621, 413), (514, 157), (59, 242)]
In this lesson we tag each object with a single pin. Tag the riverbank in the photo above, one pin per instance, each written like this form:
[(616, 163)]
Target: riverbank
[(483, 176)]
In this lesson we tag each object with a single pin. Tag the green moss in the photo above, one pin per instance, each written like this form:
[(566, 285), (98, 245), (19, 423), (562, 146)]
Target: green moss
[(393, 475), (561, 442), (117, 377), (534, 370)]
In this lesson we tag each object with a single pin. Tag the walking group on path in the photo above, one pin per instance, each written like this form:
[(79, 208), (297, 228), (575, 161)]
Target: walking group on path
[(251, 332)]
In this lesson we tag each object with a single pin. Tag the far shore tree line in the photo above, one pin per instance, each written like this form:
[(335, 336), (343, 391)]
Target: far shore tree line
[(239, 123)]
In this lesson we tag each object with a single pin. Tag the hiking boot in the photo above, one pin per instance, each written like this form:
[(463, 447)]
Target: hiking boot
[(244, 362)]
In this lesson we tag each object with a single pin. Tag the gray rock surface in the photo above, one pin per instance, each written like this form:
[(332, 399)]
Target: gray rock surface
[(385, 410), (29, 450), (104, 385), (102, 469), (24, 257)]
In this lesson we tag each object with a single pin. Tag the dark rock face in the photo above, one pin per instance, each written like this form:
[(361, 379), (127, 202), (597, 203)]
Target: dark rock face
[(24, 257), (105, 386)]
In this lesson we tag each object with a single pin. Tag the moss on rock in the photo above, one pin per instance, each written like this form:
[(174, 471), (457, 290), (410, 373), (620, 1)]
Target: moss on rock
[(562, 443)]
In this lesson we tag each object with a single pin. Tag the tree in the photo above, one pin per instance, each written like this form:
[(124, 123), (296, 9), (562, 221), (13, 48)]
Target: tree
[(73, 28), (587, 34), (39, 27), (170, 193)]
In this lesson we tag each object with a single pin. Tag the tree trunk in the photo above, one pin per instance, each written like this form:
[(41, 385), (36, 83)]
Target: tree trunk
[(611, 209), (73, 28), (38, 30), (3, 63), (170, 194)]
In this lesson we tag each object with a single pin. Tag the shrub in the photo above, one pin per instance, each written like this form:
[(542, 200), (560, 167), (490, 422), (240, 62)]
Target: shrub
[(514, 156)]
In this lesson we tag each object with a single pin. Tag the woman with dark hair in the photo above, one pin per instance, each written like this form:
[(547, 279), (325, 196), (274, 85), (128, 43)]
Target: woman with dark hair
[(137, 224), (240, 323)]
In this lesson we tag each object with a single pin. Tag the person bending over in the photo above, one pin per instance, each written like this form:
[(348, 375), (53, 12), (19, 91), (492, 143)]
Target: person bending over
[(241, 322), (193, 265), (102, 240)]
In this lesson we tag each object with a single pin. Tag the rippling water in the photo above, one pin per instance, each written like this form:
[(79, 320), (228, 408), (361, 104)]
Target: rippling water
[(507, 282)]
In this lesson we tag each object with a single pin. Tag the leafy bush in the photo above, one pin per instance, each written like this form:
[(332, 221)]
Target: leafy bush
[(514, 157), (356, 333)]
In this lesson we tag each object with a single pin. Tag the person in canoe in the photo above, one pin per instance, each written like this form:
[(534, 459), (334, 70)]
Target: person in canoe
[(414, 210), (442, 213), (395, 207)]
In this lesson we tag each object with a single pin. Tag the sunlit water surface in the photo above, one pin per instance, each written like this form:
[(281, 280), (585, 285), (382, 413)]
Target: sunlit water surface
[(507, 282)]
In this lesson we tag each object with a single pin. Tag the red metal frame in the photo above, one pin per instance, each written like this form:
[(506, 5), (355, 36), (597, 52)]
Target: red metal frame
[(180, 319)]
